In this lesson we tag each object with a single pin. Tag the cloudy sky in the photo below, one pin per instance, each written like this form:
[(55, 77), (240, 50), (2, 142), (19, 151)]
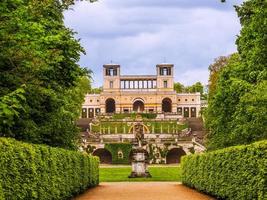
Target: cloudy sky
[(138, 34)]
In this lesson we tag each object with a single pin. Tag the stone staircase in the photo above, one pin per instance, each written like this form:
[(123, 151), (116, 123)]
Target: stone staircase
[(197, 130)]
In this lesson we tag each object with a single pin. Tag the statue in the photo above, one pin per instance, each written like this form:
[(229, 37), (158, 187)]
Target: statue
[(138, 131), (140, 157)]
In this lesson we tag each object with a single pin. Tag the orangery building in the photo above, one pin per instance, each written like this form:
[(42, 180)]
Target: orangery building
[(141, 93)]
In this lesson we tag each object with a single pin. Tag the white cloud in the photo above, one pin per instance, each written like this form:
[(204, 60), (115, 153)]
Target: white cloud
[(139, 34)]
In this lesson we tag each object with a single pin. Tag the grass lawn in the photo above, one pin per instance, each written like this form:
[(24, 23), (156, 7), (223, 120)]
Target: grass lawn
[(119, 174)]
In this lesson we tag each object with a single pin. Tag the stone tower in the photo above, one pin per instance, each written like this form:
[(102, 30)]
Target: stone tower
[(165, 77), (111, 74)]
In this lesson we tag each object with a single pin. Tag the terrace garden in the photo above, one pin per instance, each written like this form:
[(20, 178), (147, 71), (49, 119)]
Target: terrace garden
[(119, 126)]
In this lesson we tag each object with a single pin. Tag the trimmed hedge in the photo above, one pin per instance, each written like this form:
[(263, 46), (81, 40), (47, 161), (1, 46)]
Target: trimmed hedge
[(115, 147), (235, 173), (30, 171)]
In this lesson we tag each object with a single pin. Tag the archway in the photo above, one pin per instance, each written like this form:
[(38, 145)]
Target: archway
[(110, 105), (174, 155), (104, 155), (166, 105), (138, 106)]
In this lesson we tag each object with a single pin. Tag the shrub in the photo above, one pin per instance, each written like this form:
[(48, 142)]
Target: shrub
[(1, 192), (236, 173), (30, 171), (114, 148)]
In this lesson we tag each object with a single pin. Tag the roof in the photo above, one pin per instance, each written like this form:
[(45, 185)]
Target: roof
[(165, 64), (138, 77), (111, 65)]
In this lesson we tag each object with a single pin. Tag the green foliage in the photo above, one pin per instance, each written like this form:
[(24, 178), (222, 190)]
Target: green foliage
[(1, 192), (110, 127), (250, 118), (114, 148), (96, 90), (197, 87), (215, 69), (40, 172), (38, 51), (178, 87), (237, 111), (252, 40), (10, 107), (232, 173), (221, 107), (157, 153)]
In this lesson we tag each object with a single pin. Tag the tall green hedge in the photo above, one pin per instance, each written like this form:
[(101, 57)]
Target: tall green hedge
[(114, 148), (234, 173), (40, 172)]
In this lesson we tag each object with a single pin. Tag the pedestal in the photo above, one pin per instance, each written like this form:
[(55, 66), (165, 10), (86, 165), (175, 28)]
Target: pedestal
[(139, 164)]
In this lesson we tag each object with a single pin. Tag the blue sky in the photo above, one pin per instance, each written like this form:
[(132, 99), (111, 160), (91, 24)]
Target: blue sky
[(138, 34)]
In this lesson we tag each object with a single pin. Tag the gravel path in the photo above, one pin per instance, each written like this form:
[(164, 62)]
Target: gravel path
[(142, 191)]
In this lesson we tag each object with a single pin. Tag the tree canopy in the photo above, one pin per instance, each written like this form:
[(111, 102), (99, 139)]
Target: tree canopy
[(215, 69), (41, 85), (97, 90), (237, 111), (197, 87)]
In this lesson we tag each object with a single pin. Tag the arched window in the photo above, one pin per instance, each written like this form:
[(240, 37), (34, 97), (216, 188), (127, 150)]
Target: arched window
[(110, 105), (166, 105), (138, 106)]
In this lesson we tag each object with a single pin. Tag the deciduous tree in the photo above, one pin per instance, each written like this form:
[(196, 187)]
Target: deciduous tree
[(38, 51), (237, 111)]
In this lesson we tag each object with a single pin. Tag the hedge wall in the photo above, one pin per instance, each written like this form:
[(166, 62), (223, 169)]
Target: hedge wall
[(115, 147), (232, 173), (40, 172)]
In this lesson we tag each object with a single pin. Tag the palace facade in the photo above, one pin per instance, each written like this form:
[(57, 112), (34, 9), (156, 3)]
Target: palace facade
[(141, 93)]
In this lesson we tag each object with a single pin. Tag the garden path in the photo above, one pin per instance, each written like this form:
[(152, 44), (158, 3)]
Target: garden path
[(142, 191)]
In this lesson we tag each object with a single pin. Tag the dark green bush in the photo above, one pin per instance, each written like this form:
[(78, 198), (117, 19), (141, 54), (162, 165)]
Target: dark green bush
[(30, 171), (114, 148), (234, 173), (149, 115), (1, 192)]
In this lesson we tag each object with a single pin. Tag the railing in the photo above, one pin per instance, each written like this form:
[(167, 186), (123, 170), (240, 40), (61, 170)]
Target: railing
[(133, 112), (198, 144), (122, 139), (154, 126)]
